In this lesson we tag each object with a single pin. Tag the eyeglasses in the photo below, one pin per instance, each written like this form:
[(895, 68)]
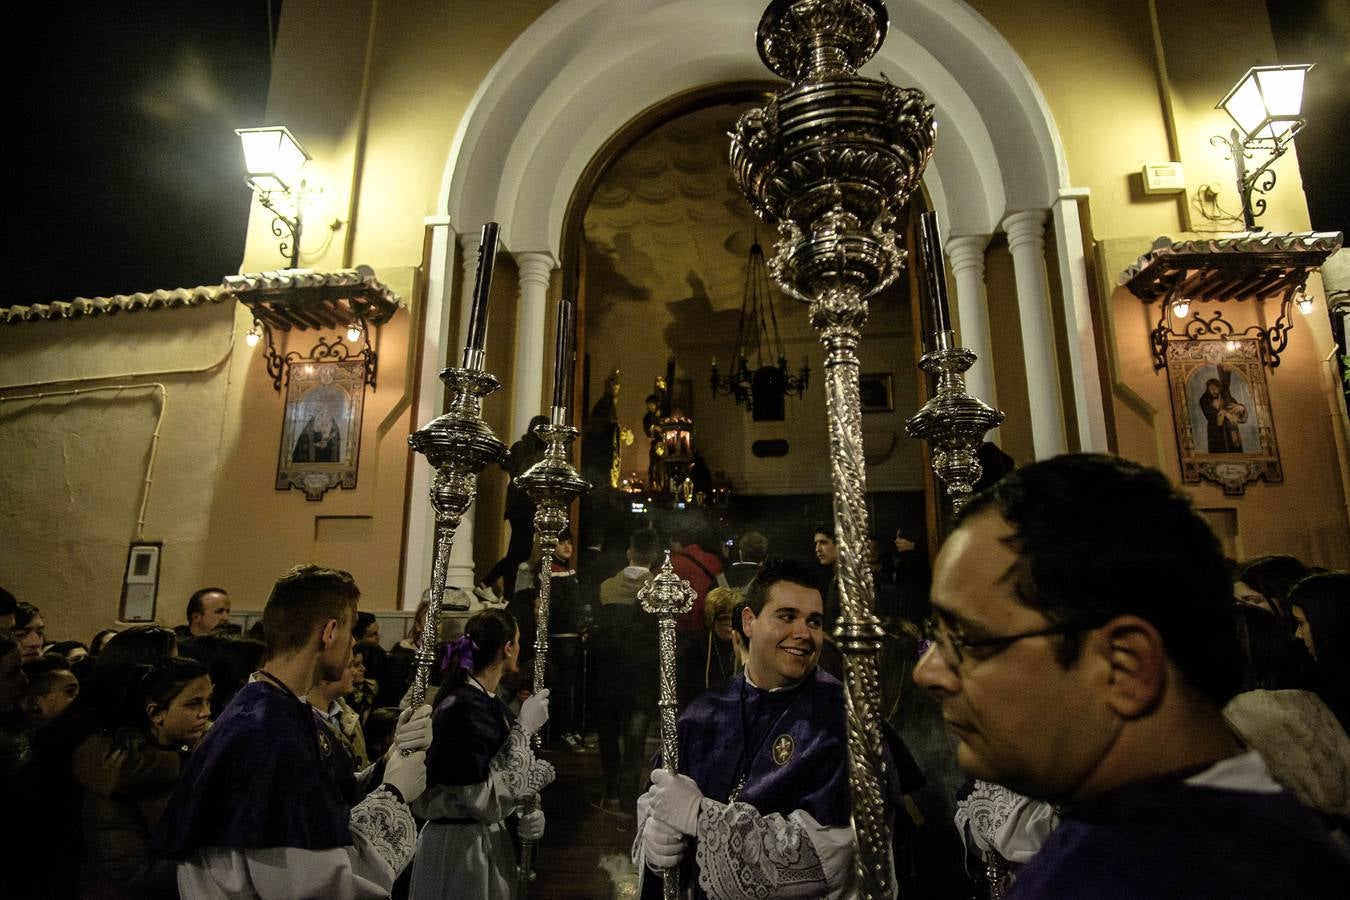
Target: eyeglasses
[(954, 647)]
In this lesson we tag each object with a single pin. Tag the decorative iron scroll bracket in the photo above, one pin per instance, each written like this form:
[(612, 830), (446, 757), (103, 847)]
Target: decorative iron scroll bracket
[(323, 351), (1214, 327)]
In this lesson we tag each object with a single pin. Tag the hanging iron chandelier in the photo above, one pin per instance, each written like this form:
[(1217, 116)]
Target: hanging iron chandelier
[(762, 389)]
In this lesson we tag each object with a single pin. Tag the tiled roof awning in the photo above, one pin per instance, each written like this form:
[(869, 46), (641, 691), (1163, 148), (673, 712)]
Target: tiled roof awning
[(97, 306), (304, 299), (1247, 266)]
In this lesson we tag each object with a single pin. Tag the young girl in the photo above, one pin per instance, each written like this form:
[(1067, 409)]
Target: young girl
[(128, 770), (480, 769)]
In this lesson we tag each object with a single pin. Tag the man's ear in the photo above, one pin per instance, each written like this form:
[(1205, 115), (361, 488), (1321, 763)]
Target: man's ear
[(328, 634), (1136, 662), (748, 622)]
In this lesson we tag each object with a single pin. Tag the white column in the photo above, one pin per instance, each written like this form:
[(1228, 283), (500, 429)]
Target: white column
[(1026, 241), (527, 369), (1089, 399), (438, 341), (966, 253)]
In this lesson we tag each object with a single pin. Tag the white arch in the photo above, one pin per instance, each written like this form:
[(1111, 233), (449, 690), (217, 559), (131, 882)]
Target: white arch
[(587, 67)]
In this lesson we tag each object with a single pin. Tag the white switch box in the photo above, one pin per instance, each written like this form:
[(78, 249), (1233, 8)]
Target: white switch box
[(1164, 178)]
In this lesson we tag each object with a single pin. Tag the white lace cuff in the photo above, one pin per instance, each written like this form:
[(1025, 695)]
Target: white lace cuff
[(742, 854), (516, 768), (385, 824)]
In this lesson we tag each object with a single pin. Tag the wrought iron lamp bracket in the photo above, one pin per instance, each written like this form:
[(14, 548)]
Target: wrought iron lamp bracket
[(1199, 326), (278, 366), (1260, 180)]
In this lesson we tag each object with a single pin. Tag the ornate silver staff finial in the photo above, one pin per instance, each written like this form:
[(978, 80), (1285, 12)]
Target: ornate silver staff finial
[(458, 445), (552, 483), (668, 596), (830, 160)]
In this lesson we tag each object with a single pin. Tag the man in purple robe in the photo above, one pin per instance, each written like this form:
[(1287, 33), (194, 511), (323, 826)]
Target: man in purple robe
[(258, 812), (1082, 651), (761, 804)]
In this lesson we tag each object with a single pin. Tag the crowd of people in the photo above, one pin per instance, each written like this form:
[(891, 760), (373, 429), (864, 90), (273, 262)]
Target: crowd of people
[(1132, 715)]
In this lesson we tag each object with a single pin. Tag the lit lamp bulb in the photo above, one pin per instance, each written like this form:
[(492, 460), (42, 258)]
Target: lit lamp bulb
[(353, 333), (1181, 307), (1305, 304), (252, 337)]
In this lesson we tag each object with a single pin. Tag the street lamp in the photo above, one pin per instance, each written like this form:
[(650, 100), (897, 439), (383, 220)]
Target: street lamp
[(273, 159), (1266, 107)]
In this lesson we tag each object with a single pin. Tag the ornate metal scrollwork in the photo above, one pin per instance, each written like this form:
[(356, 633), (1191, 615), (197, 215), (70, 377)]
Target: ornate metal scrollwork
[(1214, 327), (336, 350), (827, 161)]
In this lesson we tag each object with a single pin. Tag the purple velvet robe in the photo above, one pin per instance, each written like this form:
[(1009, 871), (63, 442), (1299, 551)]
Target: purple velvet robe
[(1170, 840), (261, 778), (468, 728), (734, 730)]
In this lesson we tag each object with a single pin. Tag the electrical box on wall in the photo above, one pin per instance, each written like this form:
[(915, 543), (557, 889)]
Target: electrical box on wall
[(141, 583), (1164, 178)]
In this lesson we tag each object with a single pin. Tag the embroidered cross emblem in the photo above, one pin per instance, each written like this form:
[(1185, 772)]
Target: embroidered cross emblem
[(782, 749)]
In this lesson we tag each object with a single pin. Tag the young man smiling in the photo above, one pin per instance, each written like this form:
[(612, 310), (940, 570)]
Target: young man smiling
[(763, 786), (1082, 650)]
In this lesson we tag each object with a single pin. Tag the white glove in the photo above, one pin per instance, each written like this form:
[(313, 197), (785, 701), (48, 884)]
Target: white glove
[(534, 712), (407, 773), (662, 846), (413, 731), (675, 800), (532, 825)]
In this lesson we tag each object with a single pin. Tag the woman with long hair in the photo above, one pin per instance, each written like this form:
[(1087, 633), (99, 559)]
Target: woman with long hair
[(128, 769), (480, 770)]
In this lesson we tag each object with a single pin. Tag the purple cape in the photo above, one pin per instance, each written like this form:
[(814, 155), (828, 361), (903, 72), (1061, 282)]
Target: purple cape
[(468, 729), (259, 779), (739, 729), (1168, 840)]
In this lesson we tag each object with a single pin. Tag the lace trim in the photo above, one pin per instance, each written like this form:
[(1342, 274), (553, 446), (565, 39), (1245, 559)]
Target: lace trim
[(386, 824), (984, 812), (742, 854), (520, 773)]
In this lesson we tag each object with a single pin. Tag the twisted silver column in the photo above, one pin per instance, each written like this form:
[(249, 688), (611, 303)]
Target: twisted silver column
[(829, 161), (552, 483), (668, 596), (459, 445)]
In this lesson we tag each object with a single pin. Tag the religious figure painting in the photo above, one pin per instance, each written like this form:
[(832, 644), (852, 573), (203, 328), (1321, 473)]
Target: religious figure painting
[(321, 431), (1221, 410)]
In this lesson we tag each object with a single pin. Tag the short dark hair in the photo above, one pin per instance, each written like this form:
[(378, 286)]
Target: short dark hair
[(363, 621), (42, 671), (1273, 577), (1098, 537), (645, 546), (194, 606), (301, 601), (25, 613), (772, 572), (754, 547), (823, 527)]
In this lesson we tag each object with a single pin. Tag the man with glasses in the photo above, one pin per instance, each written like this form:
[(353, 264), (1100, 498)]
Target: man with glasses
[(1082, 649)]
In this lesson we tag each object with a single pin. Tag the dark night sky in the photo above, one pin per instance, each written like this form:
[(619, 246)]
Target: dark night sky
[(126, 174)]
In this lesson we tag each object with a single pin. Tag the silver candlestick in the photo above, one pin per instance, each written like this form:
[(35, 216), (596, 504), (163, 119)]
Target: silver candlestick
[(552, 483), (831, 160), (668, 596), (459, 445), (952, 421)]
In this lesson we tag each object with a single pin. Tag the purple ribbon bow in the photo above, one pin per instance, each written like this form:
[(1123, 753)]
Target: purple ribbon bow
[(462, 650)]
